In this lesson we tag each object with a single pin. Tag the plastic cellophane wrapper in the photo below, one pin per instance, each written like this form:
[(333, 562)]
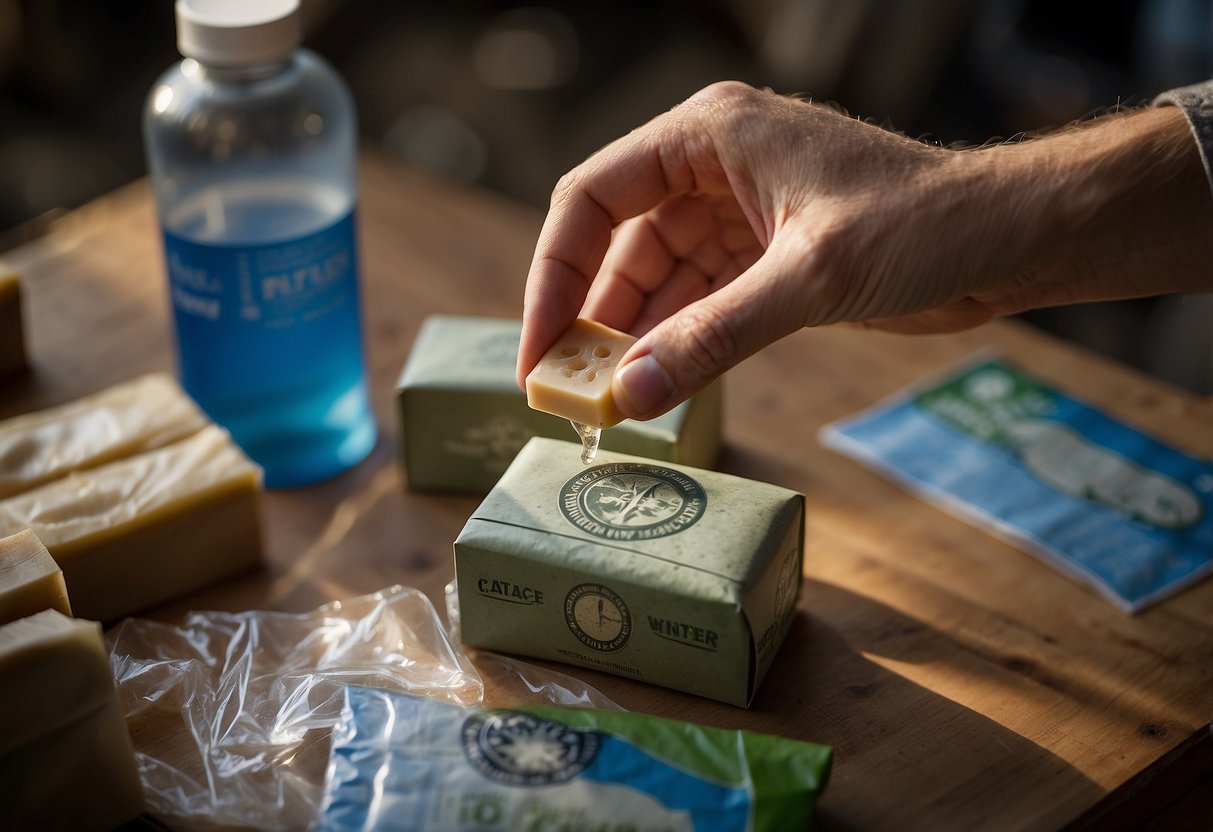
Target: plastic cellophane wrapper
[(230, 713)]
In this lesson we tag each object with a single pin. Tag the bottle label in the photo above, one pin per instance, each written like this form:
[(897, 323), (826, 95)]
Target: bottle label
[(262, 287), (272, 329)]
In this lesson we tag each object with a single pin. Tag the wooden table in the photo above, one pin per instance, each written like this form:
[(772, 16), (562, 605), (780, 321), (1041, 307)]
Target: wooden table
[(962, 683)]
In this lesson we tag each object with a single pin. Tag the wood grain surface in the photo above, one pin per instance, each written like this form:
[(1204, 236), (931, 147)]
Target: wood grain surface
[(962, 683)]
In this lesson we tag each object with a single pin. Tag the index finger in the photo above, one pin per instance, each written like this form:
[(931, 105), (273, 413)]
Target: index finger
[(626, 178)]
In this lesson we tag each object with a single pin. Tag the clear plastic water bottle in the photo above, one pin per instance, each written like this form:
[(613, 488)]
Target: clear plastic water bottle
[(252, 150)]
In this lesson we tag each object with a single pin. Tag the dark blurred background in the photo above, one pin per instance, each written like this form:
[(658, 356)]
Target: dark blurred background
[(510, 95)]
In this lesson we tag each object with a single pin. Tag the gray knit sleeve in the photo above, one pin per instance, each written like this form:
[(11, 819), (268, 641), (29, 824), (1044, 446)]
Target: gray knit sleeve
[(1196, 101)]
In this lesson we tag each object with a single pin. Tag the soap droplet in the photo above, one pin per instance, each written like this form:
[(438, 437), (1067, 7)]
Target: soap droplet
[(589, 441)]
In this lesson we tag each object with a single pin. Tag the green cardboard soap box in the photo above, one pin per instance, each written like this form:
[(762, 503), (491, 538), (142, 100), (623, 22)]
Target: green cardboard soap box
[(462, 417), (676, 576)]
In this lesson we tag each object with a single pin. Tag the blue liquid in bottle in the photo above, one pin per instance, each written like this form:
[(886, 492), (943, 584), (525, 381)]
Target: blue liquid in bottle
[(251, 146)]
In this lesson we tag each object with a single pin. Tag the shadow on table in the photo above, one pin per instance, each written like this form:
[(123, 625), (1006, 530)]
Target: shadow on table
[(905, 757)]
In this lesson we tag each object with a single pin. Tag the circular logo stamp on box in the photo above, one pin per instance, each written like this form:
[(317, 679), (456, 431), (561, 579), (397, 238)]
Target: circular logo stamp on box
[(632, 501), (521, 749), (598, 617)]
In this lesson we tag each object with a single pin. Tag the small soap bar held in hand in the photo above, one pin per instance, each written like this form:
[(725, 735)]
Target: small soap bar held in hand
[(573, 379)]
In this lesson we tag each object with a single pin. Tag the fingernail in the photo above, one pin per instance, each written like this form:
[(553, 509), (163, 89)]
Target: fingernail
[(645, 384)]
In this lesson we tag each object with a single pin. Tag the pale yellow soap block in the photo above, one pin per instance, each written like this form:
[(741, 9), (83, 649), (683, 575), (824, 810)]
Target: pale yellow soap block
[(30, 580), (12, 337), (126, 419), (573, 379), (66, 761), (140, 531)]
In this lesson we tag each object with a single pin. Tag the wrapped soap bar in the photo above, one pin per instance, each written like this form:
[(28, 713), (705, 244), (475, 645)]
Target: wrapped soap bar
[(407, 762), (142, 530), (12, 333), (677, 576), (66, 761), (463, 418), (123, 420), (30, 580)]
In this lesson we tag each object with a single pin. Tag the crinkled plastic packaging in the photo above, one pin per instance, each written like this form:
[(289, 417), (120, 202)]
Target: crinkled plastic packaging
[(402, 762), (248, 699), (230, 713)]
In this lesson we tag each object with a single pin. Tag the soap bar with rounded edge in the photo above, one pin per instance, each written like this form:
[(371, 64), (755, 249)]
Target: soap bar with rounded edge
[(127, 419), (573, 379), (66, 761), (12, 338), (30, 580), (143, 530)]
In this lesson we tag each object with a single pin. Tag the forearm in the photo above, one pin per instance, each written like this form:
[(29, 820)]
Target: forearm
[(750, 215), (1122, 209)]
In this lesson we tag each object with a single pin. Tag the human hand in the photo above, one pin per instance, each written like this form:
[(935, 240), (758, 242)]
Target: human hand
[(741, 216)]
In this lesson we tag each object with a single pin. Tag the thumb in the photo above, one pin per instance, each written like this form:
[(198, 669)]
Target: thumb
[(693, 347)]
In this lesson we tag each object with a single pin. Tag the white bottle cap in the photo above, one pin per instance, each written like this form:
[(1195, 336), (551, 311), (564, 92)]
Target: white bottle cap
[(238, 32)]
